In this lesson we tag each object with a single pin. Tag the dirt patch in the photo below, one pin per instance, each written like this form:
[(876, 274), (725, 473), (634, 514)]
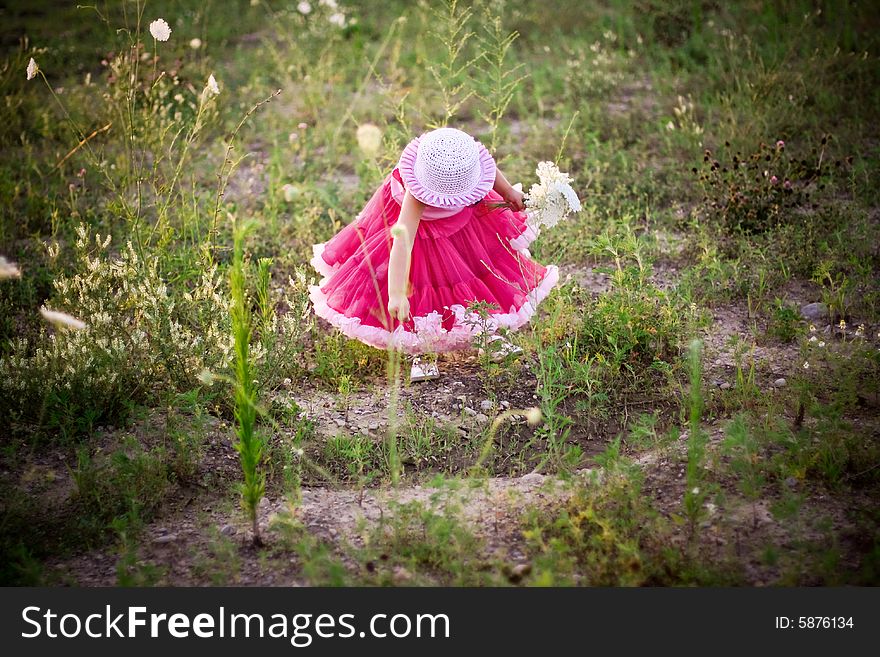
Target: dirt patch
[(183, 548)]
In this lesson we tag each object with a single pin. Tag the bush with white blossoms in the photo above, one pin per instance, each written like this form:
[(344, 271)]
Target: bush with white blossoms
[(552, 198), (133, 339)]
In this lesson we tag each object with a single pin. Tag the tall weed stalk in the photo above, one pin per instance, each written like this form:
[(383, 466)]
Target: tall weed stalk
[(250, 444)]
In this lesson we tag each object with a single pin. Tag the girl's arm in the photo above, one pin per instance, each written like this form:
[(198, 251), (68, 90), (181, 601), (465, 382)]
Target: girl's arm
[(513, 197), (403, 232)]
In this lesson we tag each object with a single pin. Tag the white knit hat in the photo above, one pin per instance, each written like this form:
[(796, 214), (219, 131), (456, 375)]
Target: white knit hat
[(447, 168)]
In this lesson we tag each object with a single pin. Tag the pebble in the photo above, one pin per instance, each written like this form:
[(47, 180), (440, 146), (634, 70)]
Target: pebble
[(339, 422), (519, 571), (505, 404), (482, 418), (487, 404), (227, 530), (469, 411), (814, 311), (725, 386), (791, 482), (372, 426), (167, 538), (532, 477), (780, 383)]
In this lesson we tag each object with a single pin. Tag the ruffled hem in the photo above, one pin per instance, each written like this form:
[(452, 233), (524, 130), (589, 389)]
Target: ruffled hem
[(407, 164), (524, 239), (429, 336), (319, 264)]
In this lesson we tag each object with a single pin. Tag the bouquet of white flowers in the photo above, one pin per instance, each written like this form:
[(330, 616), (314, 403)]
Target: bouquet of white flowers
[(551, 199)]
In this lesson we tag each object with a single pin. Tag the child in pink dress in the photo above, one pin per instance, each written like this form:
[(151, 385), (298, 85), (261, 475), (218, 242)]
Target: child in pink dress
[(445, 229)]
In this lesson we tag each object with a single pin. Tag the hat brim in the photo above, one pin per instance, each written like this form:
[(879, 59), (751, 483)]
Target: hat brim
[(486, 181)]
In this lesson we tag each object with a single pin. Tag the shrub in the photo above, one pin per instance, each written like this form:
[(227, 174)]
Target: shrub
[(764, 189), (138, 339)]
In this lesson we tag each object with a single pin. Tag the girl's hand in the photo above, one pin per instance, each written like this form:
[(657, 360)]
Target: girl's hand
[(398, 307), (514, 198)]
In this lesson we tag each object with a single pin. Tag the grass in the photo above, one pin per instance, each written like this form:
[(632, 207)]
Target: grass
[(666, 113)]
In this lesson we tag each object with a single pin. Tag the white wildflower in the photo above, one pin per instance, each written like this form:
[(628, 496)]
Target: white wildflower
[(213, 87), (670, 126), (195, 44), (842, 325), (8, 269), (160, 29), (330, 4), (206, 377), (302, 126), (552, 198), (369, 138), (806, 364), (304, 8), (337, 19), (32, 69), (860, 331), (289, 192), (61, 320), (813, 338), (533, 415), (821, 343), (696, 490), (568, 192)]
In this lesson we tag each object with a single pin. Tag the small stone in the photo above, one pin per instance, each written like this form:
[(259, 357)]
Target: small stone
[(505, 404), (339, 422), (469, 411), (164, 539), (780, 383), (481, 418), (814, 311), (791, 482), (532, 477), (487, 405), (372, 426), (519, 571), (725, 386), (227, 530)]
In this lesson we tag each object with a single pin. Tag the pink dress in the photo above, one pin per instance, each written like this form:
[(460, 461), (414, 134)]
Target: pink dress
[(459, 255)]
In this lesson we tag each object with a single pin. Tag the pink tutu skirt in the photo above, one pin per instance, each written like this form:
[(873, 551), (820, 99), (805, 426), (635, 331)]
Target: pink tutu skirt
[(478, 253)]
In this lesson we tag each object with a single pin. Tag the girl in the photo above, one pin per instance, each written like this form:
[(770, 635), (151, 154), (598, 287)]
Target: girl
[(444, 231)]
